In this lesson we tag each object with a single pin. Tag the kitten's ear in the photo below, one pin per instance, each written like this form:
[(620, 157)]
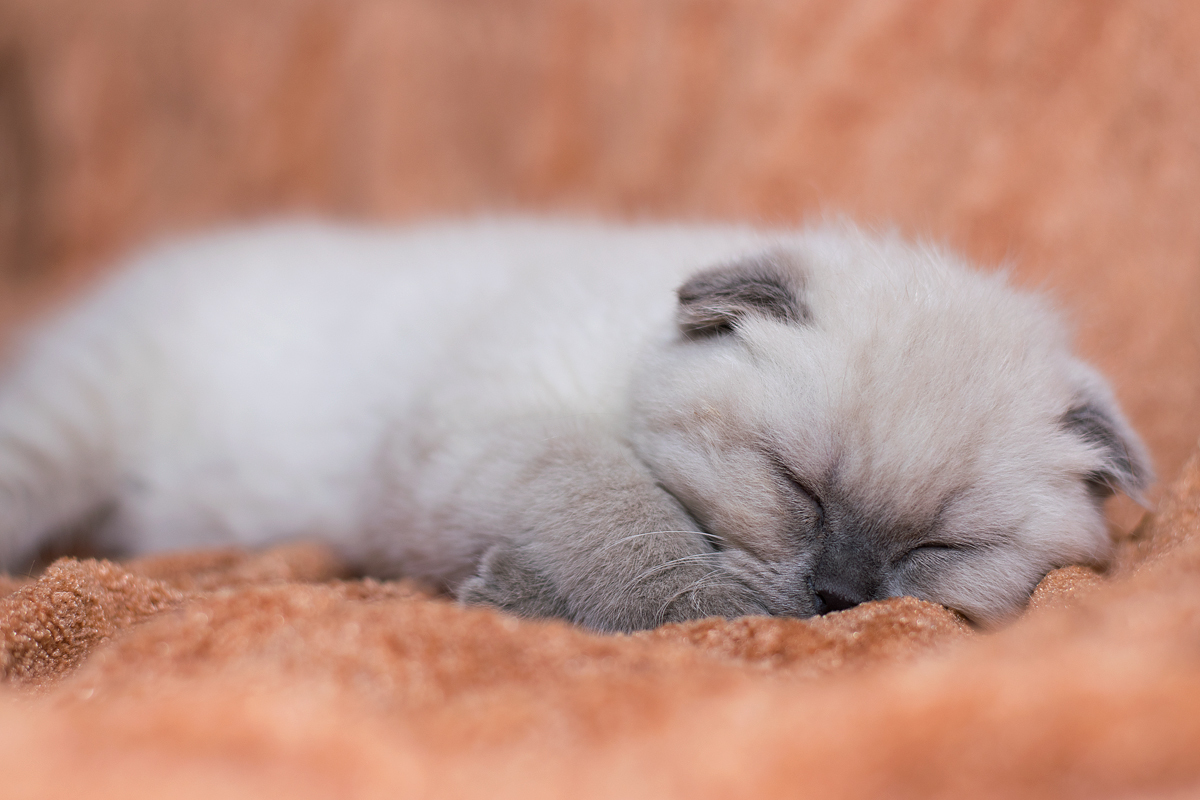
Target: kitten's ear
[(1123, 462), (713, 301)]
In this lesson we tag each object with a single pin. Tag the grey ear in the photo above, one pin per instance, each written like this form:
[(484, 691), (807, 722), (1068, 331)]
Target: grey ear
[(1124, 464), (713, 301)]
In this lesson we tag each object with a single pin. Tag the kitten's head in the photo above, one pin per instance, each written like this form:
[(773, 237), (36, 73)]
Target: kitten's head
[(853, 419)]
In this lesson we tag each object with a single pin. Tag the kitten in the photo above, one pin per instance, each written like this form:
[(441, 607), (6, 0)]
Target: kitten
[(618, 426)]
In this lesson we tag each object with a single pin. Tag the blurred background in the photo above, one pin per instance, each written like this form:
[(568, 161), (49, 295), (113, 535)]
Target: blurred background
[(1062, 138)]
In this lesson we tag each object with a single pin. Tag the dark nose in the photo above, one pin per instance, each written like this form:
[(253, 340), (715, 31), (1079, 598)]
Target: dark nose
[(836, 600), (847, 571)]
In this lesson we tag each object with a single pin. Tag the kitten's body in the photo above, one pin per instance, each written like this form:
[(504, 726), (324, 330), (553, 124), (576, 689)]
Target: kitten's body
[(523, 412)]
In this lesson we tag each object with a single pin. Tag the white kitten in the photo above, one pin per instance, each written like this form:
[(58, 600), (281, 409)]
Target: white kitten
[(620, 426)]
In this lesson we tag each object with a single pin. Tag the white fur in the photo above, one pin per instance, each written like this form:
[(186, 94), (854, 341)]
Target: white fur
[(383, 391)]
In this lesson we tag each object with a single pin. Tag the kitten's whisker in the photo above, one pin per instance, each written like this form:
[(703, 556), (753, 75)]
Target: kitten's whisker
[(703, 582), (675, 562), (624, 539)]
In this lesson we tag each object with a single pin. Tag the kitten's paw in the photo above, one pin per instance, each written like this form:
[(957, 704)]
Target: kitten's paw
[(725, 600), (508, 580)]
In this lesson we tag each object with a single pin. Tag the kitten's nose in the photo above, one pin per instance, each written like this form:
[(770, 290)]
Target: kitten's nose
[(835, 600), (847, 571)]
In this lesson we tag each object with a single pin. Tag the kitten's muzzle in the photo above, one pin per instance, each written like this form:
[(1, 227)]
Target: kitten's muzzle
[(845, 575)]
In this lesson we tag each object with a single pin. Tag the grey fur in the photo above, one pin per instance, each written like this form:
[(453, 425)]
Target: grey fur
[(1120, 469), (714, 300)]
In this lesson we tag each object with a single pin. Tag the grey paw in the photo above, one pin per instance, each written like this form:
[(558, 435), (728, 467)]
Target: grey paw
[(508, 580), (728, 601)]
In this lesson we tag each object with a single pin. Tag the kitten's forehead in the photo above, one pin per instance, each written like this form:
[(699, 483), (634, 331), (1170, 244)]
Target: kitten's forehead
[(919, 378)]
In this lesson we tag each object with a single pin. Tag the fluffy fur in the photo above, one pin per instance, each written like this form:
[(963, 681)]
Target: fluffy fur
[(619, 426)]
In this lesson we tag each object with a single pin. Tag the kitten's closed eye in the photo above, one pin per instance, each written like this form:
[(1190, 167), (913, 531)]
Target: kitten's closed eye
[(803, 491), (937, 552), (933, 549), (799, 488)]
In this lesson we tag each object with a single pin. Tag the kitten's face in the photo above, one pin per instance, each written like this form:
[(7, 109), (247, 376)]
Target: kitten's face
[(885, 425)]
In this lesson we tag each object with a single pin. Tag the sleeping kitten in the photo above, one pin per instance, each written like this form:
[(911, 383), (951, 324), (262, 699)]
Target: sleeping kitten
[(618, 426)]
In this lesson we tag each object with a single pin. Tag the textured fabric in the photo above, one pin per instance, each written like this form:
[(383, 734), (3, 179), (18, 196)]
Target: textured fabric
[(1061, 136)]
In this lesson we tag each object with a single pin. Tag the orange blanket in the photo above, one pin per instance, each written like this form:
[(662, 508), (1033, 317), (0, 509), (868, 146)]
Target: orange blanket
[(1061, 136)]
